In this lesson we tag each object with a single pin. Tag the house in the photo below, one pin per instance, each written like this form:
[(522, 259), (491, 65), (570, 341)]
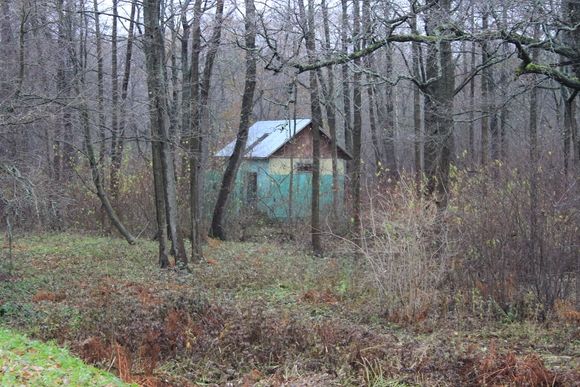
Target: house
[(275, 177)]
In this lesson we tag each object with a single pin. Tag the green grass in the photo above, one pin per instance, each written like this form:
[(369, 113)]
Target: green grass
[(32, 363)]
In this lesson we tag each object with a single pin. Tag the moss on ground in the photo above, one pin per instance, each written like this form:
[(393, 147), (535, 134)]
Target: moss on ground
[(33, 363)]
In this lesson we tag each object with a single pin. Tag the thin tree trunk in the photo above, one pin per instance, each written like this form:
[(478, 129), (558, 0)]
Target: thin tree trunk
[(64, 154), (308, 23), (115, 159), (80, 69), (368, 64), (377, 144), (472, 154), (331, 113), (100, 85), (173, 98), (417, 145), (118, 151), (389, 159), (217, 229), (346, 98), (569, 113), (357, 130), (485, 102), (185, 91)]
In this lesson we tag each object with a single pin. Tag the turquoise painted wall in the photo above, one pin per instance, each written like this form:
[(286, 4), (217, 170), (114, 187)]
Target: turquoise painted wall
[(273, 198)]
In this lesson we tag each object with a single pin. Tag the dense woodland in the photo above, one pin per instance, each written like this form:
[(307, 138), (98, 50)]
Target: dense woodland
[(462, 195)]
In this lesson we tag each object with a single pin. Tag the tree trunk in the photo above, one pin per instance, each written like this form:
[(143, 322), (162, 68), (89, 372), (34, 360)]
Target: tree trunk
[(485, 101), (201, 122), (389, 157), (115, 158), (152, 46), (217, 229), (308, 25), (535, 255), (331, 114), (569, 118), (100, 87), (417, 73), (472, 155), (118, 151), (346, 99), (356, 131), (80, 71), (438, 106)]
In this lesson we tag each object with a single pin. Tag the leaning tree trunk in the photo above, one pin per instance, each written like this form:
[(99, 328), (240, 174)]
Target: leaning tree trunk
[(217, 229), (80, 71)]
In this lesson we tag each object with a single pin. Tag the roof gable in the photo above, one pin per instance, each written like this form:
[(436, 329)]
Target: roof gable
[(267, 137)]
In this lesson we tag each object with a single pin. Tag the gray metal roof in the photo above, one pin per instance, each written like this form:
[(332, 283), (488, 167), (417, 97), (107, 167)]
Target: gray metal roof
[(266, 137)]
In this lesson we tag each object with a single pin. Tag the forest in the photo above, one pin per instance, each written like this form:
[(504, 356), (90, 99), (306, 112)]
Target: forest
[(290, 192)]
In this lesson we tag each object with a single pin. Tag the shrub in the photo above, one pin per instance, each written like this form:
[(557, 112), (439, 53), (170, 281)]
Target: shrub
[(406, 248), (519, 236)]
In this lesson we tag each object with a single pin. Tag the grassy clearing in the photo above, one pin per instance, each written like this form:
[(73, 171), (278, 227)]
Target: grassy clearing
[(256, 313), (29, 362)]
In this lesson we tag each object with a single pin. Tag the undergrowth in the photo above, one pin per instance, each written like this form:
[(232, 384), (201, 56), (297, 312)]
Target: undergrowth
[(254, 314)]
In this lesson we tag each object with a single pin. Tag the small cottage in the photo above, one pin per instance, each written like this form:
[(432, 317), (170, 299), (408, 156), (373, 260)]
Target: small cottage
[(275, 177)]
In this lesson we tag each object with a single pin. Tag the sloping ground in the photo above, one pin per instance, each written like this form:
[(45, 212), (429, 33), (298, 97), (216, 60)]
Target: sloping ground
[(258, 314), (32, 363)]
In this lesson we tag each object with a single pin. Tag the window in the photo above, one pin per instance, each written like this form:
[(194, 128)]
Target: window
[(304, 167)]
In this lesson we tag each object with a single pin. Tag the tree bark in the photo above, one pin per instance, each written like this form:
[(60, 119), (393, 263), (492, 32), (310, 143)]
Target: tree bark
[(100, 86), (356, 130), (438, 105), (200, 134), (346, 97), (331, 114), (152, 45), (115, 158), (308, 23), (535, 255), (417, 73), (217, 230), (485, 101), (118, 151)]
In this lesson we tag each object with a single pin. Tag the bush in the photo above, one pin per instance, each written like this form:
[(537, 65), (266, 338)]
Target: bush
[(406, 248), (519, 236)]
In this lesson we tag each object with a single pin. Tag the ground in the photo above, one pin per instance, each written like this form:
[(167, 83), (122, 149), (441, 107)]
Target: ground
[(262, 313), (25, 361)]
